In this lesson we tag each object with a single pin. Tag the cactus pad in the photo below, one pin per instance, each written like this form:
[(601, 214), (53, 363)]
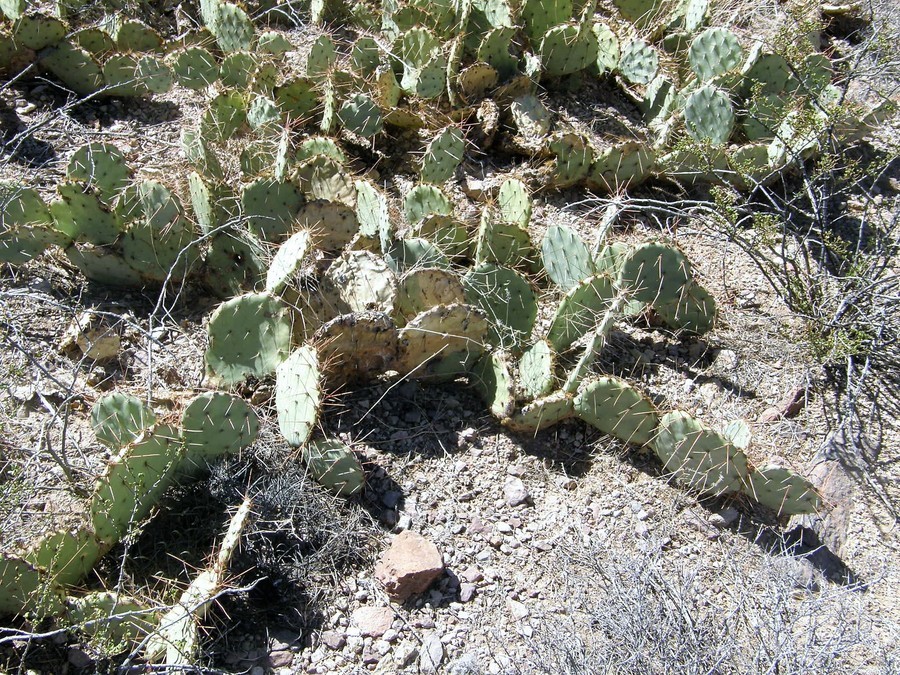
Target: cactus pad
[(25, 590), (639, 62), (492, 379), (216, 424), (354, 347), (507, 298), (537, 370), (709, 115), (248, 336), (616, 408), (134, 481), (442, 156), (698, 457), (334, 466), (67, 556), (580, 310), (783, 491), (450, 333), (361, 116), (102, 166), (713, 52), (298, 395), (541, 413), (655, 273), (118, 419), (195, 68), (566, 257)]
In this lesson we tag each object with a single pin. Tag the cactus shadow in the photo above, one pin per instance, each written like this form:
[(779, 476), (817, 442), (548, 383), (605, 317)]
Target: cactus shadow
[(18, 143)]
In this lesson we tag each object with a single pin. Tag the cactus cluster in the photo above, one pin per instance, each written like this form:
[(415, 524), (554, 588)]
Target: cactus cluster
[(370, 280)]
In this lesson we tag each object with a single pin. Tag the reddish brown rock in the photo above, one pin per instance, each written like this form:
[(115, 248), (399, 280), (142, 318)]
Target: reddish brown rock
[(372, 621), (409, 566)]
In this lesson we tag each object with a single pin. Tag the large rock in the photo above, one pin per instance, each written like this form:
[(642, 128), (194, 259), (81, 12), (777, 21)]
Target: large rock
[(372, 621), (409, 566)]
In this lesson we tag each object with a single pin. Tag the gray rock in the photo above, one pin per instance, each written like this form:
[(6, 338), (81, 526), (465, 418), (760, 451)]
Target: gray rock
[(515, 492), (333, 640), (432, 654)]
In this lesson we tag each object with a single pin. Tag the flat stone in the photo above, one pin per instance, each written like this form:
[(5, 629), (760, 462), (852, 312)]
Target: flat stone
[(514, 491), (409, 566), (333, 639), (372, 621), (281, 659), (431, 655)]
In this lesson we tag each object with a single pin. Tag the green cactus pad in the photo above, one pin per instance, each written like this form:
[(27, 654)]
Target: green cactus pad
[(476, 81), (104, 266), (442, 156), (445, 335), (298, 395), (229, 24), (67, 556), (580, 310), (492, 379), (75, 67), (195, 68), (783, 491), (272, 42), (237, 70), (503, 243), (248, 336), (709, 115), (621, 166), (531, 120), (101, 166), (262, 113), (200, 154), (120, 74), (616, 408), (698, 457), (768, 73), (515, 202), (26, 226), (608, 52), (270, 207), (539, 16), (449, 235), (225, 116), (132, 35), (98, 42), (81, 215), (234, 264), (694, 312), (567, 49), (118, 419), (639, 12), (37, 31), (567, 259), (334, 466), (655, 273), (537, 370), (507, 298), (354, 347), (215, 424), (372, 212), (297, 98), (159, 243), (573, 159), (321, 58), (25, 590), (639, 62), (541, 413), (365, 56), (425, 200), (414, 253), (116, 621), (494, 51), (421, 289), (134, 481), (713, 52), (291, 256), (361, 116), (320, 145)]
